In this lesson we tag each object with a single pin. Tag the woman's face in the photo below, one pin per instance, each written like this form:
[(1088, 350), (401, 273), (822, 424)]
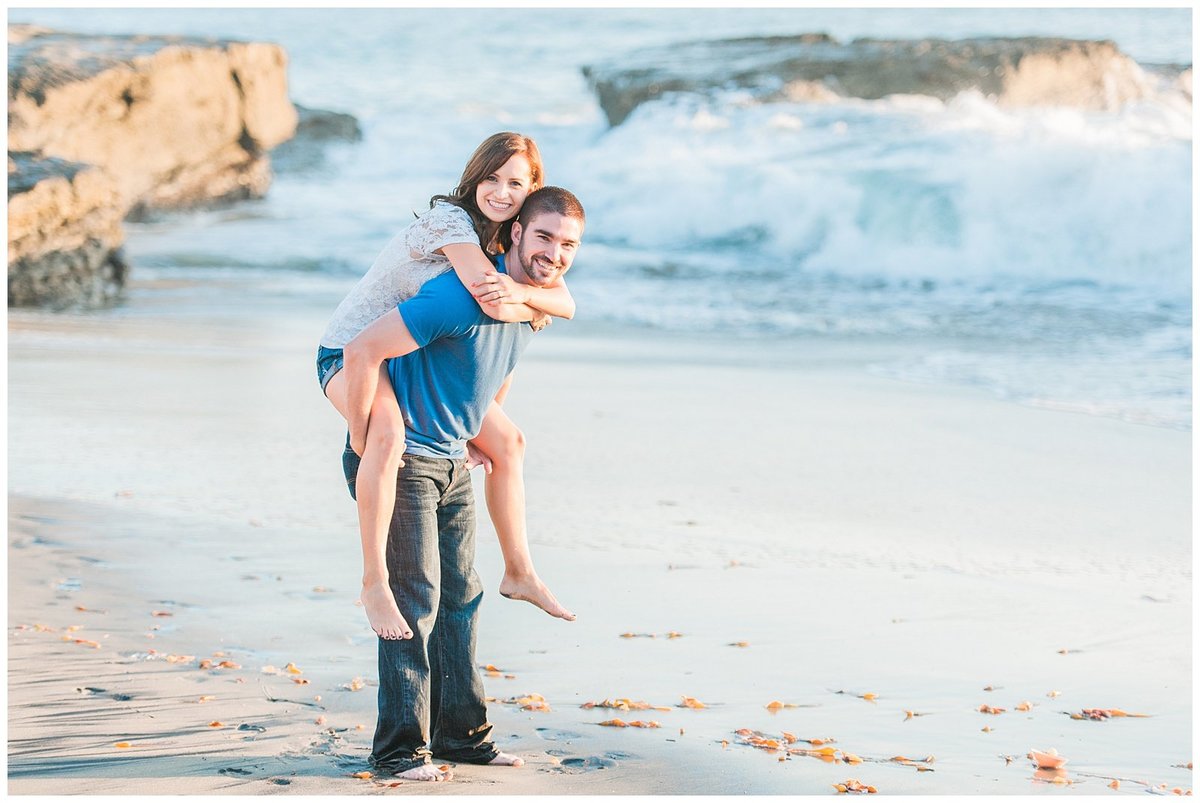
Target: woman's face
[(501, 194)]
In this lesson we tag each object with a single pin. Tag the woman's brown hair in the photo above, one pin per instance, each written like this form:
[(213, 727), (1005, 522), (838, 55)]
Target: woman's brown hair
[(489, 157)]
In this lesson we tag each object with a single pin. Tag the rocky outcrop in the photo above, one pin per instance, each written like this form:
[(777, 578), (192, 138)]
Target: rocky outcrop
[(163, 123), (316, 129), (176, 121), (64, 234), (816, 67)]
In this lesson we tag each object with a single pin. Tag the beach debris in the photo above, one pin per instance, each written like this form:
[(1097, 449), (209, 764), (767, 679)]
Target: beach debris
[(854, 786), (691, 702), (529, 702), (216, 724), (122, 745), (1053, 694), (1101, 714), (300, 681), (674, 634), (992, 688), (638, 635), (919, 764), (989, 709), (742, 644), (1047, 759), (320, 720), (245, 726), (233, 771), (625, 704), (206, 698), (82, 609), (868, 696), (636, 723), (910, 714), (293, 669), (360, 727), (363, 775), (161, 613), (357, 684), (322, 590), (95, 645), (228, 665), (776, 705), (44, 628), (179, 659), (1066, 651), (1024, 705), (986, 729), (1115, 784)]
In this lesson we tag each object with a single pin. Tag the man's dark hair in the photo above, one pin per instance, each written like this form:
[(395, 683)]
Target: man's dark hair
[(551, 199)]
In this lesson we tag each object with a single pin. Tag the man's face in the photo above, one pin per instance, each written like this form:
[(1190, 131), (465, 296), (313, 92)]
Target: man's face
[(545, 247)]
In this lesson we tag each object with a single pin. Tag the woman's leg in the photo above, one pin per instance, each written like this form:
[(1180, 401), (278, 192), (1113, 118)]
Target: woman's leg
[(501, 440), (376, 492)]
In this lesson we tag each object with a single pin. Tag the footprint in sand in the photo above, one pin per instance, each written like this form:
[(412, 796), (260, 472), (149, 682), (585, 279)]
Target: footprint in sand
[(588, 763), (554, 735)]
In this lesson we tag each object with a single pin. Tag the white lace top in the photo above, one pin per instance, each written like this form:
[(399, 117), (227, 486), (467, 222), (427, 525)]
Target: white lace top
[(406, 263)]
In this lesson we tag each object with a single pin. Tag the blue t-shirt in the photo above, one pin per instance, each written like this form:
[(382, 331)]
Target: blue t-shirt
[(444, 387)]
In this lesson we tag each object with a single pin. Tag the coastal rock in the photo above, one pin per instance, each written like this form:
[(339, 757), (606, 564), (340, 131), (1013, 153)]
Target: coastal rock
[(176, 121), (64, 234), (103, 128), (316, 129), (1029, 71)]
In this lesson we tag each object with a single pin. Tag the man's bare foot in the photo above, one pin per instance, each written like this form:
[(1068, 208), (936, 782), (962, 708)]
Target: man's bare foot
[(506, 760), (382, 612), (425, 772), (531, 589)]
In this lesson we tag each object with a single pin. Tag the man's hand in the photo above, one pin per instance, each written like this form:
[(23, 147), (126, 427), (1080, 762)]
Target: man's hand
[(499, 288), (477, 458), (540, 322)]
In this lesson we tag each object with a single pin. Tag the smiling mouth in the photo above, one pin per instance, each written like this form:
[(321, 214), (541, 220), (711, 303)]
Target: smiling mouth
[(499, 207)]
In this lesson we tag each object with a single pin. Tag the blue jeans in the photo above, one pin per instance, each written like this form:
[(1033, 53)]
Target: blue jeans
[(430, 691)]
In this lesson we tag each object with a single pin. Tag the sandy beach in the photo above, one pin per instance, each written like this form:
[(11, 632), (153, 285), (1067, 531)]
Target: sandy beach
[(738, 522)]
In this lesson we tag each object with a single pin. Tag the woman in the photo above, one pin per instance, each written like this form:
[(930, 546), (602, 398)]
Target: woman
[(454, 233)]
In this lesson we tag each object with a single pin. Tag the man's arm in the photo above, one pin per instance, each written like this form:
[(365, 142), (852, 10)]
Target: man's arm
[(388, 336)]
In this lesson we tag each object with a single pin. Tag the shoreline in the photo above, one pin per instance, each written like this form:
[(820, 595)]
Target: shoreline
[(860, 534)]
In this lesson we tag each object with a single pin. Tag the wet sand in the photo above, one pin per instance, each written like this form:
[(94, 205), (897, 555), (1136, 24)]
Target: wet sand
[(878, 547)]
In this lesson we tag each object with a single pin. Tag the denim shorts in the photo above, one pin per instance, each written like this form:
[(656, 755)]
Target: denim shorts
[(329, 362)]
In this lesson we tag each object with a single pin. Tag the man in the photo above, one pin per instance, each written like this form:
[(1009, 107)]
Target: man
[(451, 361)]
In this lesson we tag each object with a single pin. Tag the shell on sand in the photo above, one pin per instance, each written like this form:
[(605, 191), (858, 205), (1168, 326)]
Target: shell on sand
[(1048, 760)]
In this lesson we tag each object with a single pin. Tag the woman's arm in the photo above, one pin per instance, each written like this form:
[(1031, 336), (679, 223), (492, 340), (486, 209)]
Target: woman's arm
[(553, 299), (511, 300)]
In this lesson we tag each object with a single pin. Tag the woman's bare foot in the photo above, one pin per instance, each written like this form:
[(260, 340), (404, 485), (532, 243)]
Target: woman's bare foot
[(530, 588), (506, 760), (425, 772), (382, 612)]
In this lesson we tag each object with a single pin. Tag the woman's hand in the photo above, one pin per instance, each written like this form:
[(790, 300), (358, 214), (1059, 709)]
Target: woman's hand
[(540, 322), (499, 288)]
